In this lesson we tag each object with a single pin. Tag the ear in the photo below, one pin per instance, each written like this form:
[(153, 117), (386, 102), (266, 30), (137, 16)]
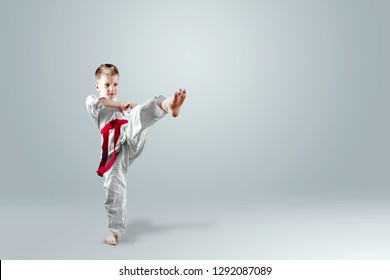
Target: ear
[(97, 87)]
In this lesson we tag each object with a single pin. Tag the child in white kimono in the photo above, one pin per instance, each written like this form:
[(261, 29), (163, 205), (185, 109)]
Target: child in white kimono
[(123, 127)]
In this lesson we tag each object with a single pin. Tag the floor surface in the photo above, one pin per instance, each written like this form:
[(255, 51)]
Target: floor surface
[(223, 226)]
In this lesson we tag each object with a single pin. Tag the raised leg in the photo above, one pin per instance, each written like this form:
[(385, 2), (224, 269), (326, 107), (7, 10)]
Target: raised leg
[(144, 115)]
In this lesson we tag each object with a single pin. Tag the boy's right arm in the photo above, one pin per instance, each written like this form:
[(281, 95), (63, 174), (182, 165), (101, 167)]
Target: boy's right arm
[(122, 107)]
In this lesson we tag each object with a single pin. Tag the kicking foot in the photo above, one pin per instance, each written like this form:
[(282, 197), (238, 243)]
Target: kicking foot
[(111, 239), (173, 103)]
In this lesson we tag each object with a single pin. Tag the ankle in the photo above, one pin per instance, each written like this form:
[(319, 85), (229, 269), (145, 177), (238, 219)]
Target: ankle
[(163, 105)]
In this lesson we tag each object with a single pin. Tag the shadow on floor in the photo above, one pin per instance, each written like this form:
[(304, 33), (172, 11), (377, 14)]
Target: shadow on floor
[(140, 227)]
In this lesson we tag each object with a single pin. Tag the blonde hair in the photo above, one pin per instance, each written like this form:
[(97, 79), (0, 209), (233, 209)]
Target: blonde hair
[(106, 69)]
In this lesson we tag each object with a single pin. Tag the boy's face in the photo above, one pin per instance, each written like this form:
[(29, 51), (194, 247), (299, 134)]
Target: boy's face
[(107, 86)]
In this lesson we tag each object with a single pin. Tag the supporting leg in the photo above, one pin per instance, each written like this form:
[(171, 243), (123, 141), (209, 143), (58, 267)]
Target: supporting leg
[(116, 191)]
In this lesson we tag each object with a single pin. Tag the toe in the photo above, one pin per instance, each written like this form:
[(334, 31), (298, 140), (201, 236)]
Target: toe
[(110, 242)]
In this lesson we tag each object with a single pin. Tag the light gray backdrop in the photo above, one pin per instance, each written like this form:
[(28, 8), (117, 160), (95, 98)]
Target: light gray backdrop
[(281, 150)]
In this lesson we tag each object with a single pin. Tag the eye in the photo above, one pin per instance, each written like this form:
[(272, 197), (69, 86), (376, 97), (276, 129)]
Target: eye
[(106, 85), (115, 85)]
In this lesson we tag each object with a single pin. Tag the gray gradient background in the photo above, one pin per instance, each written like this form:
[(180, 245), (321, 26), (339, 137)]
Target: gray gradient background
[(281, 151)]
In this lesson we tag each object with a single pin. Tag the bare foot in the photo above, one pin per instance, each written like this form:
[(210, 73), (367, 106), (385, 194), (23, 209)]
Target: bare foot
[(173, 103), (111, 239)]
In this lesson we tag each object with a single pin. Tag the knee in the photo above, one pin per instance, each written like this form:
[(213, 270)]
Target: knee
[(115, 183)]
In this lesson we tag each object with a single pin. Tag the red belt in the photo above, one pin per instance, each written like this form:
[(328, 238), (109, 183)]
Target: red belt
[(105, 131)]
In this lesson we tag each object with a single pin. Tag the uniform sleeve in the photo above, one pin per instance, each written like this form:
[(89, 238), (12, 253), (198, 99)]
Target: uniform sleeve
[(93, 107)]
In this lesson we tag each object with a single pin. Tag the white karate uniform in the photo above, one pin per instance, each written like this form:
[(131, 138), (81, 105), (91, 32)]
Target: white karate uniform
[(129, 146)]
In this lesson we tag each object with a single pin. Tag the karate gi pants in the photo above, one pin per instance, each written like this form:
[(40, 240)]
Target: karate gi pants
[(139, 119)]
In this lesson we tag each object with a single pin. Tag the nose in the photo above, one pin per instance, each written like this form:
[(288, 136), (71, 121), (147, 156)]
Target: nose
[(110, 88)]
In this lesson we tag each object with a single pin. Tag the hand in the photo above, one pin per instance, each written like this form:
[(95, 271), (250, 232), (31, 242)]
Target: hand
[(126, 106), (132, 105)]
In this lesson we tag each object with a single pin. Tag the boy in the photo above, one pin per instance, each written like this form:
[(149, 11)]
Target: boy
[(123, 127)]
